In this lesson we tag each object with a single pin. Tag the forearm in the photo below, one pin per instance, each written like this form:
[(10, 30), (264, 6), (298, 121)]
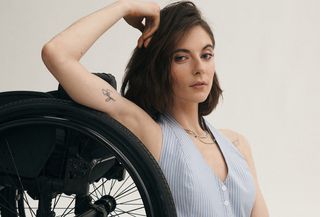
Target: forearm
[(74, 42), (61, 55)]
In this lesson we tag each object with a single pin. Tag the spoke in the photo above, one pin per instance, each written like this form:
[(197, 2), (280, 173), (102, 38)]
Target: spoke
[(31, 210), (4, 199), (7, 208), (94, 197), (17, 172), (125, 213), (70, 211), (9, 178), (97, 190), (120, 212), (130, 204), (25, 199), (125, 193), (56, 201), (125, 190), (14, 164), (104, 192), (63, 208), (113, 182), (111, 186), (122, 185), (115, 213), (98, 187), (68, 206), (131, 212), (129, 201)]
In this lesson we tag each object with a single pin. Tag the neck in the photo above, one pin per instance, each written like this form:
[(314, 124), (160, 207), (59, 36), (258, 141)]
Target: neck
[(187, 117)]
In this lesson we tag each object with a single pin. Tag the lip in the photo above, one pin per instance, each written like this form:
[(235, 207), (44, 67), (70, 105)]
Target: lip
[(198, 84)]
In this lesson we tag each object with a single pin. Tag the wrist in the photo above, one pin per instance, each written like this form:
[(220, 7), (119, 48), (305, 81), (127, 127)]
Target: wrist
[(125, 5)]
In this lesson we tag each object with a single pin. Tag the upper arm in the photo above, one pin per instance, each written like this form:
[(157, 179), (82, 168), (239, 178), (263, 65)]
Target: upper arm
[(240, 142), (92, 91)]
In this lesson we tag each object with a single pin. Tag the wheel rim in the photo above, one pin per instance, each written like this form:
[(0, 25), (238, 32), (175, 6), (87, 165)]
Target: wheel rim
[(128, 198)]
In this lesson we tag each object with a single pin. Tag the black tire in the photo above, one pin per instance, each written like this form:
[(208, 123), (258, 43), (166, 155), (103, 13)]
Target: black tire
[(118, 140)]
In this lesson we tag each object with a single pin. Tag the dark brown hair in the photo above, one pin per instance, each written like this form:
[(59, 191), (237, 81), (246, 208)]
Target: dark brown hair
[(147, 81)]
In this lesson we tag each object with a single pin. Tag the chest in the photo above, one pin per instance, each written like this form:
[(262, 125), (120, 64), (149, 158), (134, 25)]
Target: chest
[(219, 187), (213, 157), (197, 191)]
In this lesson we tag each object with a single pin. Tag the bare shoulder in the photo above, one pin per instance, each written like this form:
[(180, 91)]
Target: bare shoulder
[(260, 208), (238, 140), (241, 143)]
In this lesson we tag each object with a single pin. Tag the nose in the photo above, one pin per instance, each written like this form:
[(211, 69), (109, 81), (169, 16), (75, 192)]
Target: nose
[(198, 66)]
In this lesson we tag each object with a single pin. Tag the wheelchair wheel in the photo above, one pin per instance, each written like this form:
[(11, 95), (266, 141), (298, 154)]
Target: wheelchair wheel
[(59, 158)]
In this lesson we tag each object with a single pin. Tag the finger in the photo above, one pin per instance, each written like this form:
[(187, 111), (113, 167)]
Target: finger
[(149, 29), (140, 26), (152, 24), (147, 41), (140, 42)]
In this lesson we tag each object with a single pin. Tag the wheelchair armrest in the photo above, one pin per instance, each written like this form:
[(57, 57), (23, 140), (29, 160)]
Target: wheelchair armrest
[(62, 94)]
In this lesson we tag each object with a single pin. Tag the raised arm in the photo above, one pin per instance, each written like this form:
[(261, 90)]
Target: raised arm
[(61, 55)]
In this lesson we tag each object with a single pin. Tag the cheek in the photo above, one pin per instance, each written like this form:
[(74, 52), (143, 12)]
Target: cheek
[(177, 74), (212, 74), (212, 69), (173, 75)]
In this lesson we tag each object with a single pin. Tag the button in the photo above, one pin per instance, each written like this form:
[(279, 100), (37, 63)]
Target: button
[(224, 188), (226, 203)]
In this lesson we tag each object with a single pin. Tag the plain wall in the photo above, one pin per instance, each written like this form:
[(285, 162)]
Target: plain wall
[(267, 58)]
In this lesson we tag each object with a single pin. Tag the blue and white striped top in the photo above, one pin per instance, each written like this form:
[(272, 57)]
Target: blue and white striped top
[(196, 190)]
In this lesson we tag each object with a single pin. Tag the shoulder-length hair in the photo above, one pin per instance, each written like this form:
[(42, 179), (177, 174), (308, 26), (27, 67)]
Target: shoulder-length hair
[(147, 80)]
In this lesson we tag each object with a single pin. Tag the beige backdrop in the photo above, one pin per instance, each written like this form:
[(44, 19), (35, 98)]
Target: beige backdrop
[(267, 55)]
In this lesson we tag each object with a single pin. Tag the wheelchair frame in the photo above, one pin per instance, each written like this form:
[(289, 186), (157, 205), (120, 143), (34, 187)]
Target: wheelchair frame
[(52, 146)]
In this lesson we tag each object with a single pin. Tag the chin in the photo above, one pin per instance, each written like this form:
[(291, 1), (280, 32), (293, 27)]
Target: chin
[(202, 99)]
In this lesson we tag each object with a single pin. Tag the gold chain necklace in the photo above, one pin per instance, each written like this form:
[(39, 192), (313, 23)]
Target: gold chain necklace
[(200, 138)]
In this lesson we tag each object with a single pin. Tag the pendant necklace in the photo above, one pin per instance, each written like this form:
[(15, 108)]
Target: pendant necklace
[(200, 138)]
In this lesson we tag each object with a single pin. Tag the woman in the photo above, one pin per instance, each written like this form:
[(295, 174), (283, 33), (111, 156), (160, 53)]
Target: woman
[(170, 84)]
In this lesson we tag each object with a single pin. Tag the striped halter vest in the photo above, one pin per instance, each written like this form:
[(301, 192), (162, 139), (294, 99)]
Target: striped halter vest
[(196, 190)]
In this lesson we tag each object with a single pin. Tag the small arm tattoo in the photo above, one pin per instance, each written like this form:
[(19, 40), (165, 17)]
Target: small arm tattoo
[(107, 93), (236, 142)]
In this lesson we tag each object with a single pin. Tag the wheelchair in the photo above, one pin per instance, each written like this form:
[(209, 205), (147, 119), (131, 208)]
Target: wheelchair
[(59, 158)]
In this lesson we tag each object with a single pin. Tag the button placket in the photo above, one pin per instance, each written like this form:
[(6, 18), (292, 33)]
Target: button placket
[(226, 201)]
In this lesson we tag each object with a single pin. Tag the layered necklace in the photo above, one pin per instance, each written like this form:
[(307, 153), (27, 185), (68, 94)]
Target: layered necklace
[(201, 138)]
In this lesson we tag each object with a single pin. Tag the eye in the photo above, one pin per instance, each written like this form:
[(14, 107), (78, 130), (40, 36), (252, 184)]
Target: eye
[(207, 56), (179, 58)]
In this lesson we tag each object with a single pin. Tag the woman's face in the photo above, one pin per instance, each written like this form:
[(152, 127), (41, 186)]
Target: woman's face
[(193, 67)]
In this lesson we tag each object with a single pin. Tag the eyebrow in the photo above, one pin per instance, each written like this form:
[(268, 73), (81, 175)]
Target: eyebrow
[(188, 51)]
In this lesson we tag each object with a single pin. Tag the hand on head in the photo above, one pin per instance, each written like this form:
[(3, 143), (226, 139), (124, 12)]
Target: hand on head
[(144, 16)]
